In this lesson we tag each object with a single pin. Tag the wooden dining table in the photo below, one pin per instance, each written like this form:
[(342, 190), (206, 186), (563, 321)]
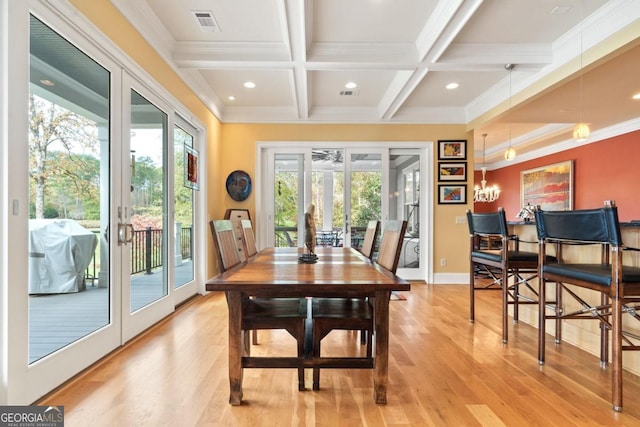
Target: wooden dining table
[(338, 272)]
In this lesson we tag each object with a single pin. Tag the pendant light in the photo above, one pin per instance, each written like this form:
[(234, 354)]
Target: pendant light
[(581, 131), (510, 153), (485, 193)]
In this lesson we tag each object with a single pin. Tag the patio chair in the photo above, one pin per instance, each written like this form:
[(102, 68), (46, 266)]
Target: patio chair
[(289, 314), (618, 284)]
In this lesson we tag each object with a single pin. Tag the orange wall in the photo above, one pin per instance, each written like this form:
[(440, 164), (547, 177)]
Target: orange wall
[(603, 170)]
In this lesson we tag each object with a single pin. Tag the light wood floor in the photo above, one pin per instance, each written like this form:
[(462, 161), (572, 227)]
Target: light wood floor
[(443, 371)]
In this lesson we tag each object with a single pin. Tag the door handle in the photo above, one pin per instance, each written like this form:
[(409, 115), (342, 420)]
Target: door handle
[(122, 234), (129, 226), (125, 229)]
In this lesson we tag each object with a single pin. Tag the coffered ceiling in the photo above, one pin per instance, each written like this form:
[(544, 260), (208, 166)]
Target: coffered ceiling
[(572, 57)]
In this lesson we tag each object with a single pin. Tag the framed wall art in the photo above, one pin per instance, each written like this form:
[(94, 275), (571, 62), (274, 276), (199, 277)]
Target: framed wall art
[(237, 214), (191, 173), (452, 149), (550, 187), (452, 171), (452, 194), (238, 185)]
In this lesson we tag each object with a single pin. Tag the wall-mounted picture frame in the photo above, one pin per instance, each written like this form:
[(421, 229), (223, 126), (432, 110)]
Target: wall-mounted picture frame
[(237, 214), (191, 168), (450, 149), (238, 185), (452, 194), (550, 187), (452, 171)]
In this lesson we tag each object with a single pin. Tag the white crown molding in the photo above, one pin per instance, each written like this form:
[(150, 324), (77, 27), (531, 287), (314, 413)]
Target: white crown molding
[(613, 17), (70, 15), (209, 54), (498, 53), (140, 15)]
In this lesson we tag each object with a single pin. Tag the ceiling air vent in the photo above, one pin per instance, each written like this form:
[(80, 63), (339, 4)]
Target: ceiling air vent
[(349, 92), (206, 21)]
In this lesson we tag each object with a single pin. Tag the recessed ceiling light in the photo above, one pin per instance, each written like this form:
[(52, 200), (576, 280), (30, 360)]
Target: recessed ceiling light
[(351, 85), (47, 82), (452, 85), (232, 98), (636, 96), (249, 85)]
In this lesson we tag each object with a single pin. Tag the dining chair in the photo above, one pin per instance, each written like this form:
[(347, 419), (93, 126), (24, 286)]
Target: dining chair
[(249, 238), (370, 238), (355, 314), (289, 314), (246, 238), (618, 284), (368, 249), (496, 254), (393, 232), (225, 240)]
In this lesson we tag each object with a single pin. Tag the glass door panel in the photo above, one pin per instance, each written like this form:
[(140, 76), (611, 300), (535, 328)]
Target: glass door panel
[(365, 188), (148, 219), (327, 194), (183, 209), (288, 200), (69, 193), (404, 182)]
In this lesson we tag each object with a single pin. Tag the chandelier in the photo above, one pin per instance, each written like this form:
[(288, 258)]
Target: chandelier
[(484, 193)]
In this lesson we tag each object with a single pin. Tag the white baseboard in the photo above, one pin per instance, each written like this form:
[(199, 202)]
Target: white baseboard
[(451, 278)]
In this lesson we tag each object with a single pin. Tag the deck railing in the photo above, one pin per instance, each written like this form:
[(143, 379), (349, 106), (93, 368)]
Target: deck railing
[(288, 237), (146, 251)]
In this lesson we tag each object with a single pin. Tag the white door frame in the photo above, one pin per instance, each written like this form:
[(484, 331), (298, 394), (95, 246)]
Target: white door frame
[(22, 383), (264, 198), (138, 321)]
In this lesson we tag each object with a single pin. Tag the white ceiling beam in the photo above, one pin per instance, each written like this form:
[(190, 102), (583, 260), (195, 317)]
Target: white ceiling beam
[(498, 53), (363, 52), (399, 90), (436, 25), (294, 32)]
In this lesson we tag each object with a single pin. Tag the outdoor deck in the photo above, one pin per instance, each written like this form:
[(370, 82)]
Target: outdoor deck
[(56, 320)]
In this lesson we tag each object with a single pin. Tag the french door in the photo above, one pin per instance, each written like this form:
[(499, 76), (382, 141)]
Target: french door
[(144, 211), (99, 251), (348, 186)]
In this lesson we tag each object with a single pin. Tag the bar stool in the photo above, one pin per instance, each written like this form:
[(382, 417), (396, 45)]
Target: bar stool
[(490, 252), (618, 284)]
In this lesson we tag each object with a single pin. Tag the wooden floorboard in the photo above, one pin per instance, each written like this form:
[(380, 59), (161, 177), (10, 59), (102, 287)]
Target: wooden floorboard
[(443, 371)]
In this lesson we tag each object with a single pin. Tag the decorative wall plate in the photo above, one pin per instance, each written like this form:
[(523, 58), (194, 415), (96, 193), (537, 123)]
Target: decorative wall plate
[(238, 185)]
